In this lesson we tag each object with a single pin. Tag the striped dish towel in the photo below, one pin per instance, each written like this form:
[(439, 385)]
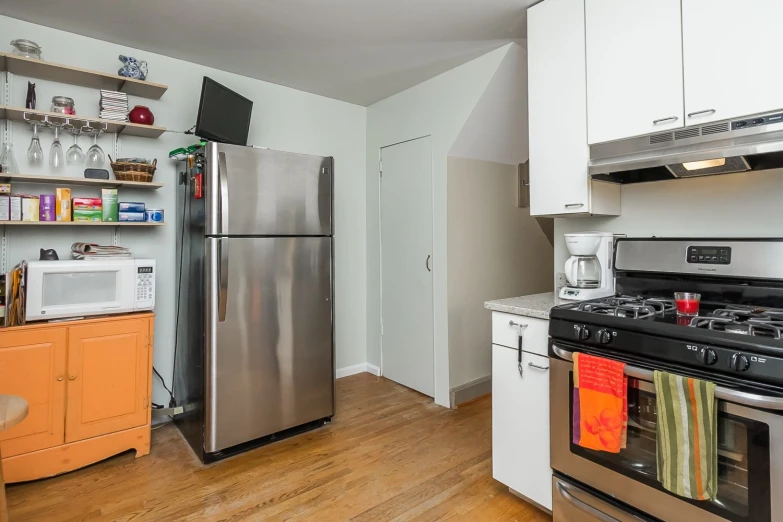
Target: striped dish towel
[(687, 436)]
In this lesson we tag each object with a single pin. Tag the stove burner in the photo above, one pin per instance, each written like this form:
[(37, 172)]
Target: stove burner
[(744, 320), (631, 307)]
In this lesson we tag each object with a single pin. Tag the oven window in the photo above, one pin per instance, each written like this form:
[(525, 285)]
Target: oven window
[(78, 288), (743, 458)]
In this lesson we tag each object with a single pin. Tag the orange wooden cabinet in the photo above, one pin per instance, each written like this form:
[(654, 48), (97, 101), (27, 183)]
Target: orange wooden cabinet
[(89, 386)]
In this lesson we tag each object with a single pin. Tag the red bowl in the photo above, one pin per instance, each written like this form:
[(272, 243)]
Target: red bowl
[(141, 115)]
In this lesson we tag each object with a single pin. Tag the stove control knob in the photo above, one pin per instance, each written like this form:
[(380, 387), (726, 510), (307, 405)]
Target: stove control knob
[(708, 356), (604, 336), (739, 363), (582, 333)]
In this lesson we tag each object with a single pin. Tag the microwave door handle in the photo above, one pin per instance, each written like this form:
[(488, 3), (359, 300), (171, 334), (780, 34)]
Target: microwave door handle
[(753, 400), (223, 278), (223, 188)]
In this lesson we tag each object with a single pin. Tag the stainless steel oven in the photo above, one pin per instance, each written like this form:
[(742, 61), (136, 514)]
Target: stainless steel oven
[(750, 456)]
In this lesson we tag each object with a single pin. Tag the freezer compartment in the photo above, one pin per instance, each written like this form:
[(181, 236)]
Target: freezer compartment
[(269, 347), (260, 192)]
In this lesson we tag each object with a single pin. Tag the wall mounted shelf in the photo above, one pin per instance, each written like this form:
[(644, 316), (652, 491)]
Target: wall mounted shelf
[(120, 127), (77, 76), (83, 223), (61, 180)]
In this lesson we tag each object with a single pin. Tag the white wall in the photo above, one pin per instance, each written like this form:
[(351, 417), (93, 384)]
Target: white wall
[(733, 205), (283, 119), (439, 108), (495, 250)]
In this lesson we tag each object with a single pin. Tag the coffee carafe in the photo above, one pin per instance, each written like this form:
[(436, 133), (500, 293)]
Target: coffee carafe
[(589, 269)]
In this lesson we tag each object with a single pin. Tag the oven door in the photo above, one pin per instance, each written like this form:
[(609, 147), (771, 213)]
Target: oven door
[(750, 467)]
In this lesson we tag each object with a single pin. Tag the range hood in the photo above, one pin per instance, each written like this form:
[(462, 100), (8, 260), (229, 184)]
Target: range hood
[(723, 147)]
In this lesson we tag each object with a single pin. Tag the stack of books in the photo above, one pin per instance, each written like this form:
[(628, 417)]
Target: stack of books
[(114, 105), (93, 251)]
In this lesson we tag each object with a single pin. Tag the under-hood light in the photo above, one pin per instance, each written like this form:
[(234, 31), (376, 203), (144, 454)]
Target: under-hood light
[(705, 164)]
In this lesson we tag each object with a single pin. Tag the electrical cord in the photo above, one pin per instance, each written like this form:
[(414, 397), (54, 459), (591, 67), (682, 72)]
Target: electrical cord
[(172, 401)]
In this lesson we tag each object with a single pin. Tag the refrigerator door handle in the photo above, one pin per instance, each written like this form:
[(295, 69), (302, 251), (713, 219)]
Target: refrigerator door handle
[(223, 278), (223, 187)]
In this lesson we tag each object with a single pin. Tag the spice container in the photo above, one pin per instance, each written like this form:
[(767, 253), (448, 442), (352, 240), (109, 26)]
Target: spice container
[(26, 49), (63, 105)]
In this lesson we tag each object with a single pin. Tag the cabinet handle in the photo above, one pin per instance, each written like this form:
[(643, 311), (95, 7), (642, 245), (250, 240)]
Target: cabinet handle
[(512, 323), (71, 377), (427, 263), (574, 205), (538, 367), (699, 113), (60, 377), (663, 120)]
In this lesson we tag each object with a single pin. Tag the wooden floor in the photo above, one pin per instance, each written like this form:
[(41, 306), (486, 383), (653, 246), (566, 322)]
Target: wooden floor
[(389, 454)]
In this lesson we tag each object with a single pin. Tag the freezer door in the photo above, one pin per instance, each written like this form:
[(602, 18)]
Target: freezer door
[(259, 192), (270, 362)]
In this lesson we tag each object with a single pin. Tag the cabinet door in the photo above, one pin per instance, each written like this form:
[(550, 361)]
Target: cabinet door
[(108, 378), (32, 366), (559, 183), (520, 424), (634, 67), (732, 52)]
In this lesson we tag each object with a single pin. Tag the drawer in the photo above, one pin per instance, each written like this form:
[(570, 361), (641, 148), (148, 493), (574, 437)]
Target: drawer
[(535, 338)]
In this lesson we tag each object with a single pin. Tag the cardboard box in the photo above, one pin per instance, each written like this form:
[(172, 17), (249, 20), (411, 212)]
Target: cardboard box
[(110, 202), (87, 204), (30, 209), (46, 206), (128, 206), (16, 208), (5, 208), (131, 216), (87, 215), (5, 189), (62, 204)]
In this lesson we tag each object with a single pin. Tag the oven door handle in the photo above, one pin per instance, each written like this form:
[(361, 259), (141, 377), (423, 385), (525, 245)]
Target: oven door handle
[(565, 492), (752, 400)]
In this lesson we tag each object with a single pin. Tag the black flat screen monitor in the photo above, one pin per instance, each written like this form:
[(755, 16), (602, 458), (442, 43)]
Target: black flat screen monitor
[(223, 115)]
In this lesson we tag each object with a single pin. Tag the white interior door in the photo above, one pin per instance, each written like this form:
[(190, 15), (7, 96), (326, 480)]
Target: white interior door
[(407, 264)]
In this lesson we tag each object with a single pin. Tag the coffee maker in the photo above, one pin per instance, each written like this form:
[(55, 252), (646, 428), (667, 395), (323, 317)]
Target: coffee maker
[(589, 269)]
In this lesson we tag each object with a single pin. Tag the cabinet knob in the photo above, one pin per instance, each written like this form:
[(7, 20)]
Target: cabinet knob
[(72, 377), (60, 377)]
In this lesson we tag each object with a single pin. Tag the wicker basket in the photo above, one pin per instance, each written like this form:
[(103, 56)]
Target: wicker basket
[(127, 171)]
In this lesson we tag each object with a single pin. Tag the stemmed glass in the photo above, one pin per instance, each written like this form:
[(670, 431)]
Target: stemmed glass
[(35, 152), (56, 157), (75, 154), (95, 155)]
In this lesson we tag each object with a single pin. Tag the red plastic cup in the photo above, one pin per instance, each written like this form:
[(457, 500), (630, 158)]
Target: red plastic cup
[(687, 303)]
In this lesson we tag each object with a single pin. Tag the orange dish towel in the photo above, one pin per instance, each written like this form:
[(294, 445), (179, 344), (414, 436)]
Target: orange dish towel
[(600, 403)]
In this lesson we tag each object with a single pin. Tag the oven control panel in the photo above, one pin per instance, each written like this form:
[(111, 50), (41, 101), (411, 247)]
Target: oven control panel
[(709, 255)]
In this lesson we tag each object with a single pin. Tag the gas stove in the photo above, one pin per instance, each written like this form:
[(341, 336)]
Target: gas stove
[(737, 335)]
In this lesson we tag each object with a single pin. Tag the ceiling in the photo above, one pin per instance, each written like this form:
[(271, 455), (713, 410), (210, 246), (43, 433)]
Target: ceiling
[(360, 51)]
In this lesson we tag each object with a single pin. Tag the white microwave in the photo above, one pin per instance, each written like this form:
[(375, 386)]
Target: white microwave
[(76, 288)]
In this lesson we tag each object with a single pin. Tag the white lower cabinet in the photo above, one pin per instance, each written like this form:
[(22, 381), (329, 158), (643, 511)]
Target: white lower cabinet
[(520, 422)]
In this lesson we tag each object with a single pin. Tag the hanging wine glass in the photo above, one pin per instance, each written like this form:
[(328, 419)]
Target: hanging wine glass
[(56, 156), (7, 159), (75, 154), (95, 155), (35, 153)]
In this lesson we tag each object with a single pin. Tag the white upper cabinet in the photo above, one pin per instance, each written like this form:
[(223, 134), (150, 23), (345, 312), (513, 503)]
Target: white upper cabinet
[(732, 51), (634, 66), (557, 112)]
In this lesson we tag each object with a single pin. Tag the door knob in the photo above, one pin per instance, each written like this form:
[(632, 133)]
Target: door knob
[(72, 377), (60, 377)]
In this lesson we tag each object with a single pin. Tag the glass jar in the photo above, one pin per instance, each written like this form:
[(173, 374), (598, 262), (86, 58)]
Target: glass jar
[(26, 49), (63, 105)]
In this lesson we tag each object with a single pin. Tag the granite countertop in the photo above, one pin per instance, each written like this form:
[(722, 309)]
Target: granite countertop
[(536, 305)]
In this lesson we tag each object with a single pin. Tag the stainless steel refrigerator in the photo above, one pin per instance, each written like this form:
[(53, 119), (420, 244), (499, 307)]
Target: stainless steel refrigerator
[(255, 317)]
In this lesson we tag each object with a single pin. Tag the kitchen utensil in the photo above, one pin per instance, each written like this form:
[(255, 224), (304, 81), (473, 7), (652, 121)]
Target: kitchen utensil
[(35, 153), (75, 154), (56, 156), (141, 115), (130, 171), (30, 100), (133, 68), (687, 303), (95, 156), (63, 105), (7, 159), (26, 49)]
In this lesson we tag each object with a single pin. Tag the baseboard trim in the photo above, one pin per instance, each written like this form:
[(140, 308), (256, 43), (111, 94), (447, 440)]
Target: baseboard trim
[(471, 390), (357, 368)]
